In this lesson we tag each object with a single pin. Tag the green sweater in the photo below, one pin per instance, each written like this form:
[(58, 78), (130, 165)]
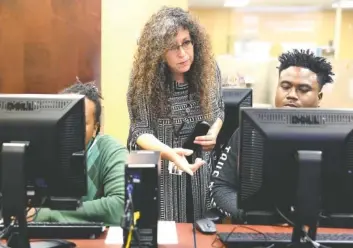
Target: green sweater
[(105, 197)]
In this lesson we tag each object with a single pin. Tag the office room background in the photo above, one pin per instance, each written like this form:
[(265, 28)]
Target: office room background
[(45, 44)]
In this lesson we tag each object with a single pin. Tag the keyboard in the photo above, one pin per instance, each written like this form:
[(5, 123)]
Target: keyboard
[(281, 238), (56, 230)]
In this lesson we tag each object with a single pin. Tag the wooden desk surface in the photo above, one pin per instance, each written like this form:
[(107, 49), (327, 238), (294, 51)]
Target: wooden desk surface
[(203, 241)]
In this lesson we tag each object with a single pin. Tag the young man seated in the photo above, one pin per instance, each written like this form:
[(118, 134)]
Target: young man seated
[(106, 159), (301, 78)]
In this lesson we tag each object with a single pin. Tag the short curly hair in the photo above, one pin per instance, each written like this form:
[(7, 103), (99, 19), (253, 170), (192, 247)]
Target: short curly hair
[(307, 59), (91, 92), (151, 77)]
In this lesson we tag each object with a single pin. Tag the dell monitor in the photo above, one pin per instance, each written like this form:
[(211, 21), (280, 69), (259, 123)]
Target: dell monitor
[(42, 149), (298, 165), (233, 99)]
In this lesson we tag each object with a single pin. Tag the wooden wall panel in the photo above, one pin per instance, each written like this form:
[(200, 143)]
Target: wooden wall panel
[(45, 44)]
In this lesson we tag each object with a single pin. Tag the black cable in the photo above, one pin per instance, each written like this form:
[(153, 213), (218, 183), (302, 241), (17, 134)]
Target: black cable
[(132, 209), (285, 217), (128, 220), (306, 237), (7, 229), (129, 214), (266, 236), (217, 238), (194, 234)]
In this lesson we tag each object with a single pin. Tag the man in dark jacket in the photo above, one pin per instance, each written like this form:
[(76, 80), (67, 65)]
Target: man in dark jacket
[(302, 76)]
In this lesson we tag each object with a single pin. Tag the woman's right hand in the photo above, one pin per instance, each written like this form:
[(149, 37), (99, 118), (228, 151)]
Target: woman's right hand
[(181, 162)]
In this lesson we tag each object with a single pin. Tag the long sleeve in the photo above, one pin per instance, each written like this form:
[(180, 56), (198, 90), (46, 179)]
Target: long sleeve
[(109, 208), (140, 125), (220, 102), (224, 178)]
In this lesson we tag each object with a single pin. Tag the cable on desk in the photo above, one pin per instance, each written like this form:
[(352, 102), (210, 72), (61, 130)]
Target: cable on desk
[(129, 213), (266, 236), (194, 234), (6, 230), (217, 238), (306, 237), (132, 229), (130, 218)]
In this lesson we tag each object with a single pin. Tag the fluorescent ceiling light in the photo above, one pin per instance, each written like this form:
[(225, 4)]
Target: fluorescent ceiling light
[(343, 4), (281, 9), (236, 3)]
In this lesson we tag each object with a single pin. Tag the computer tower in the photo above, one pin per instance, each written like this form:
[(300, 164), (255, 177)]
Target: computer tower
[(141, 199)]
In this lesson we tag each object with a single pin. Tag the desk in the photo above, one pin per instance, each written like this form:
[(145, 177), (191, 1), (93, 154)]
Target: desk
[(203, 241)]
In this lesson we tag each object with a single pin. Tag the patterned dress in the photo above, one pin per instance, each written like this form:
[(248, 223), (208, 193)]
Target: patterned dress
[(180, 194)]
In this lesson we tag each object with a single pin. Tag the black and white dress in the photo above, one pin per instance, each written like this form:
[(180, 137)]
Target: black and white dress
[(182, 198)]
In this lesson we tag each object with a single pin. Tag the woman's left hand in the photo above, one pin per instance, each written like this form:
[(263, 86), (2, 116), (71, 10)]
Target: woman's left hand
[(207, 141)]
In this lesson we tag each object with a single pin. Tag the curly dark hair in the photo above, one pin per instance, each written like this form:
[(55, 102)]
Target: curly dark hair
[(151, 77), (91, 92), (307, 59)]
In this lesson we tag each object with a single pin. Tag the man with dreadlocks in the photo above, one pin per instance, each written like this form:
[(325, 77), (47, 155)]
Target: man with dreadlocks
[(105, 161), (301, 78)]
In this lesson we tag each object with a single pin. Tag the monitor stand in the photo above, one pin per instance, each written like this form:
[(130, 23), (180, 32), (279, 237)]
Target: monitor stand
[(14, 197), (307, 209)]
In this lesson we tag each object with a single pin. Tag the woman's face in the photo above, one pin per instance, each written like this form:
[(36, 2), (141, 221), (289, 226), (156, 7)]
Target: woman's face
[(180, 54)]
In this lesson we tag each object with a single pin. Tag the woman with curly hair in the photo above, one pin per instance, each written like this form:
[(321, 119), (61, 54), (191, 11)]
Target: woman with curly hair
[(175, 83)]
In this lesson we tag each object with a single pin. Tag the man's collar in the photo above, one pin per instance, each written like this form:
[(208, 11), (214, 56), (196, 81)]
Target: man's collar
[(90, 143)]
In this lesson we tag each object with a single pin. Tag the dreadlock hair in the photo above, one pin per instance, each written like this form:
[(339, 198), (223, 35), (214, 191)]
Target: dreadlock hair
[(91, 92), (307, 59)]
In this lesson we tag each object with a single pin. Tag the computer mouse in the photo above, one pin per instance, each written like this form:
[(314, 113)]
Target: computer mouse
[(206, 226), (57, 243)]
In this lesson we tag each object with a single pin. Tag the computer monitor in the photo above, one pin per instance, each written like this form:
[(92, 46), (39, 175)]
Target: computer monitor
[(42, 140), (297, 165), (233, 98)]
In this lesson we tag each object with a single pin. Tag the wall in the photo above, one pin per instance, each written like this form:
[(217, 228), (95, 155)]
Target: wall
[(265, 79), (227, 25), (44, 47), (346, 36), (121, 24)]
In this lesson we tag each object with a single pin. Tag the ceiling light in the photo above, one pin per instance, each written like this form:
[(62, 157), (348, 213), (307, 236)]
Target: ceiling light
[(236, 3), (343, 4), (281, 9)]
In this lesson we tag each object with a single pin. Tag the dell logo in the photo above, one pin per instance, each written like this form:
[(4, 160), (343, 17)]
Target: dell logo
[(19, 106), (305, 120)]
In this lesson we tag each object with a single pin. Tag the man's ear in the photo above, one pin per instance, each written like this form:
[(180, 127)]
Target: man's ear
[(97, 128), (320, 96)]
